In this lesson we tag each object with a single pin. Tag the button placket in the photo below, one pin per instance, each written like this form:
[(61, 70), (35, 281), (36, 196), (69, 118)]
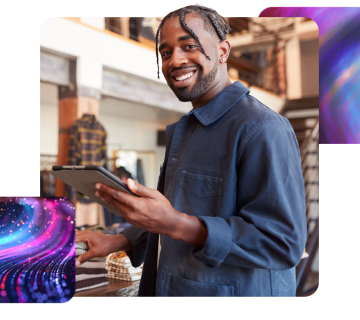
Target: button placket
[(180, 139)]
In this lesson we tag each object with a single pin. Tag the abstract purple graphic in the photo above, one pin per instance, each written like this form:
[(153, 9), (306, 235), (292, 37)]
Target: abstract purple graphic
[(339, 33), (37, 249)]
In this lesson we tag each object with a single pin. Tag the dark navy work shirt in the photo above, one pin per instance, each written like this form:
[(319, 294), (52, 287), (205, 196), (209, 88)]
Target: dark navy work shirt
[(235, 164)]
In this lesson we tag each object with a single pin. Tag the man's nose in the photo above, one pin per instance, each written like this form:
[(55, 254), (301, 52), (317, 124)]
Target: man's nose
[(178, 58)]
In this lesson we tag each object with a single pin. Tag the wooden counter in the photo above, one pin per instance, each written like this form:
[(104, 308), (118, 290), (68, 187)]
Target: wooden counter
[(110, 290)]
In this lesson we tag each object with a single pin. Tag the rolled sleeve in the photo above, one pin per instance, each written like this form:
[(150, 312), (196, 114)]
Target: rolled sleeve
[(218, 242), (138, 238)]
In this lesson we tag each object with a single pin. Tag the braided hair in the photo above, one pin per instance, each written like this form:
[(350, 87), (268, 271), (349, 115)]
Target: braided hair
[(214, 23)]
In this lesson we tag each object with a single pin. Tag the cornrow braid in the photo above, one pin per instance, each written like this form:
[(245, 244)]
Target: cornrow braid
[(221, 35), (183, 23), (213, 23), (157, 42), (226, 26)]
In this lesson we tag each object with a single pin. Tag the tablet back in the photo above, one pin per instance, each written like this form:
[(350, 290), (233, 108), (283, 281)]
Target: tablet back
[(84, 181)]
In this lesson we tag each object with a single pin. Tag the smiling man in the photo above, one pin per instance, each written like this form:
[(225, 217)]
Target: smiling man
[(189, 71), (228, 218)]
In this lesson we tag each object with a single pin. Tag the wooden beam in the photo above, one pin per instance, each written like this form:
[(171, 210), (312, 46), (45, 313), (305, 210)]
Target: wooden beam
[(54, 69), (238, 24), (243, 64), (304, 103)]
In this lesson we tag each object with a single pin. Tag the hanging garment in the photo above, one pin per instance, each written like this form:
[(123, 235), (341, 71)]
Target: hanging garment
[(47, 184), (122, 173), (134, 26), (148, 28), (111, 218), (139, 172), (50, 179), (87, 146), (42, 192)]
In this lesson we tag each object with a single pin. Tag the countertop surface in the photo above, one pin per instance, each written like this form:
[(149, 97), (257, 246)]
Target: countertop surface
[(113, 289)]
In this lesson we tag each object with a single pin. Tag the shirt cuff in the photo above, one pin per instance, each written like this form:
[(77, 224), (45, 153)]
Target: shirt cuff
[(133, 234), (218, 242), (138, 238)]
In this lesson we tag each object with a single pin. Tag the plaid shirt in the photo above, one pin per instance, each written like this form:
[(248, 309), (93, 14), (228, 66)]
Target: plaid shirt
[(87, 145)]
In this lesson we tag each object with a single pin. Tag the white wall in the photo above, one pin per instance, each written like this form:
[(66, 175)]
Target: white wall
[(49, 125), (96, 22)]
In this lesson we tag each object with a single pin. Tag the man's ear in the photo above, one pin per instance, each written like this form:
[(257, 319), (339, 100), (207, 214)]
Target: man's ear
[(224, 50)]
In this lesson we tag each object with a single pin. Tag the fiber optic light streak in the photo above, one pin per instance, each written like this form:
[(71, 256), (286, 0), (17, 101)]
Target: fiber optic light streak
[(339, 62), (37, 250)]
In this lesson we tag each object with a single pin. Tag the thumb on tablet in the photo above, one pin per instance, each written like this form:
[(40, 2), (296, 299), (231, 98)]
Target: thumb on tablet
[(139, 189)]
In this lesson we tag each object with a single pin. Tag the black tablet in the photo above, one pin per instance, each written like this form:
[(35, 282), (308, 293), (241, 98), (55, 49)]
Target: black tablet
[(84, 178)]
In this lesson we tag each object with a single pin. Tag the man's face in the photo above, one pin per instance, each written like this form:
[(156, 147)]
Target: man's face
[(186, 69)]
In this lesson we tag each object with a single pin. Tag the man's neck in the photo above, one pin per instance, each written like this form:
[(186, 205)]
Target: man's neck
[(219, 86)]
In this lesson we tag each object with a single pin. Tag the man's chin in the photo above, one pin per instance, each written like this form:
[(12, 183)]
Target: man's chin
[(184, 99), (183, 94)]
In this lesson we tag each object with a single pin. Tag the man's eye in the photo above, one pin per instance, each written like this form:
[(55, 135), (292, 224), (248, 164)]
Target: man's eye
[(190, 46), (165, 53)]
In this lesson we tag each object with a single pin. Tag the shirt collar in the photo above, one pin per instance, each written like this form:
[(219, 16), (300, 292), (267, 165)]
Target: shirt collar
[(222, 103), (90, 118)]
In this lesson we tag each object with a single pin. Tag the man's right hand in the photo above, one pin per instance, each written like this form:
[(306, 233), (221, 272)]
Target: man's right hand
[(100, 245)]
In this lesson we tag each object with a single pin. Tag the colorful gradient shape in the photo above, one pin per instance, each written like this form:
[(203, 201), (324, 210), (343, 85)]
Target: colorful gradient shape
[(37, 250), (339, 63)]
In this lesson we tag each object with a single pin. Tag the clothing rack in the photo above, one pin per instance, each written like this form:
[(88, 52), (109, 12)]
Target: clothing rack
[(47, 184), (47, 180)]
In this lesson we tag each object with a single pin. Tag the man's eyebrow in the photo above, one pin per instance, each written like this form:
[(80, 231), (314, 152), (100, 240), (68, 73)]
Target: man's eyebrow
[(188, 36), (163, 45), (182, 38)]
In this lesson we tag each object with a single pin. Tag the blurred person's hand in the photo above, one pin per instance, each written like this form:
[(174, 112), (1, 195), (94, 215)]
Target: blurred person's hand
[(100, 245)]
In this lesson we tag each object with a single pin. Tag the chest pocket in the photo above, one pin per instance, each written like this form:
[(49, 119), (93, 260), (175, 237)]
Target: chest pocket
[(198, 195)]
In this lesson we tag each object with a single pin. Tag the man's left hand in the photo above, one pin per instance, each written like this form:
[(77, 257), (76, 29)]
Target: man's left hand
[(151, 212)]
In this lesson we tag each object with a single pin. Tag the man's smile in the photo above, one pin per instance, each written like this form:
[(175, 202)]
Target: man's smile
[(182, 78)]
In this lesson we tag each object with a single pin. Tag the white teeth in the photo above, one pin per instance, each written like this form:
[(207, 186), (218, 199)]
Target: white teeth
[(185, 76)]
